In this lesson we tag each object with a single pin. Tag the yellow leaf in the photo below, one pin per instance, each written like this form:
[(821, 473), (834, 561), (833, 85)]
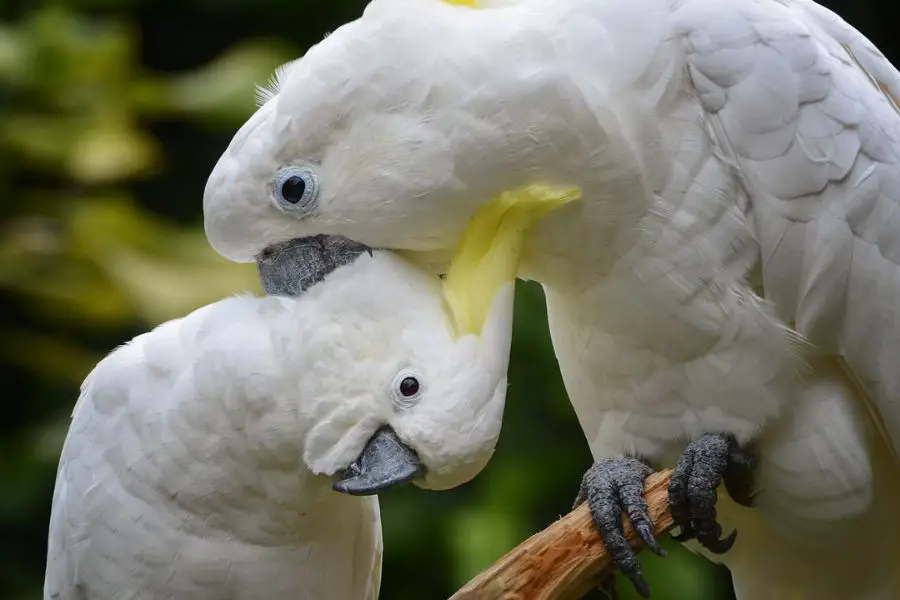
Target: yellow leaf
[(110, 152)]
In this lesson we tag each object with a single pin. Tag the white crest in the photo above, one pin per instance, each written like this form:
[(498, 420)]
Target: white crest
[(272, 87)]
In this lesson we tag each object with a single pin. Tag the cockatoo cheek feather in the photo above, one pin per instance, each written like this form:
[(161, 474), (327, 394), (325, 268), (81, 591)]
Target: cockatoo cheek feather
[(460, 449), (455, 435)]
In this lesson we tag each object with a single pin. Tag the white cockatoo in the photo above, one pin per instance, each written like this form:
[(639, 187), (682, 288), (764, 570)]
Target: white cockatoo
[(726, 297), (201, 457)]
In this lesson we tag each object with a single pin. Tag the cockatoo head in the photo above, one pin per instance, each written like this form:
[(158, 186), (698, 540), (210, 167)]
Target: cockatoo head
[(404, 373), (394, 129)]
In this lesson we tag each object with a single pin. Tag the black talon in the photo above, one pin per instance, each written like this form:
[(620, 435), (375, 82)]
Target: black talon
[(717, 546), (612, 486), (705, 463)]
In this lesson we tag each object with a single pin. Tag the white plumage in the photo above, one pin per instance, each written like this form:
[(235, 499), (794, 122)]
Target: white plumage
[(740, 161), (199, 459)]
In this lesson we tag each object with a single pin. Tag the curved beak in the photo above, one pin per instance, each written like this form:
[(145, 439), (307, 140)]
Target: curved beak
[(384, 462)]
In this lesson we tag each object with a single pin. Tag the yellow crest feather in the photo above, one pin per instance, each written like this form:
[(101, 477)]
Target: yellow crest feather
[(469, 3), (491, 248)]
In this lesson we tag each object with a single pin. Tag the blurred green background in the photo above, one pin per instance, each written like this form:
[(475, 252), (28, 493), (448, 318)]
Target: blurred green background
[(112, 113)]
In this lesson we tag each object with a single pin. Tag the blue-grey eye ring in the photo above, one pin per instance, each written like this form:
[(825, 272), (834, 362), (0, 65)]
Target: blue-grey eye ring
[(296, 188)]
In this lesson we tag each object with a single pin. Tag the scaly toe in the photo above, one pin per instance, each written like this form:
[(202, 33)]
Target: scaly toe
[(693, 489), (739, 475), (679, 506), (612, 486)]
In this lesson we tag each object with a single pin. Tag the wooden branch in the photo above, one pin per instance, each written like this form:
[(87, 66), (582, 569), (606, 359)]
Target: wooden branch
[(565, 560)]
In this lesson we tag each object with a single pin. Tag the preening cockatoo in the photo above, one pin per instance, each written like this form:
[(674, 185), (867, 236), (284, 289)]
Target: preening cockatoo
[(724, 298), (200, 457)]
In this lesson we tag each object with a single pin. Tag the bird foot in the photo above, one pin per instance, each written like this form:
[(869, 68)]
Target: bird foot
[(612, 486), (707, 462)]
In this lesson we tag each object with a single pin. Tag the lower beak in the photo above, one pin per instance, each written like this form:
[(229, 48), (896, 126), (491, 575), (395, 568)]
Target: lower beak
[(384, 463)]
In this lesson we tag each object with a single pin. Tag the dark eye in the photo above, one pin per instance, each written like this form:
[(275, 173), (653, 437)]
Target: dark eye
[(293, 190), (297, 188), (409, 386)]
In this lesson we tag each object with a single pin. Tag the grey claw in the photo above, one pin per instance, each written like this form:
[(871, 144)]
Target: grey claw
[(692, 492), (646, 534), (639, 515), (612, 486), (720, 546)]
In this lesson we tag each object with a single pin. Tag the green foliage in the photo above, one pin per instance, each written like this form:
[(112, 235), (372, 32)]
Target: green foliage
[(114, 112)]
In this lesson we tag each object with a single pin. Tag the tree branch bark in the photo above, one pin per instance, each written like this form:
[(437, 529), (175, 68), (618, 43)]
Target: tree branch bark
[(565, 560)]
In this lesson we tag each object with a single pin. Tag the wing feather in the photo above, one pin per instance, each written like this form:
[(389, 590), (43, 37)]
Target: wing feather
[(806, 110)]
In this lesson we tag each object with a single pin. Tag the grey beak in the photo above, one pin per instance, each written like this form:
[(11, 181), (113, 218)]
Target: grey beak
[(384, 463), (290, 268)]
